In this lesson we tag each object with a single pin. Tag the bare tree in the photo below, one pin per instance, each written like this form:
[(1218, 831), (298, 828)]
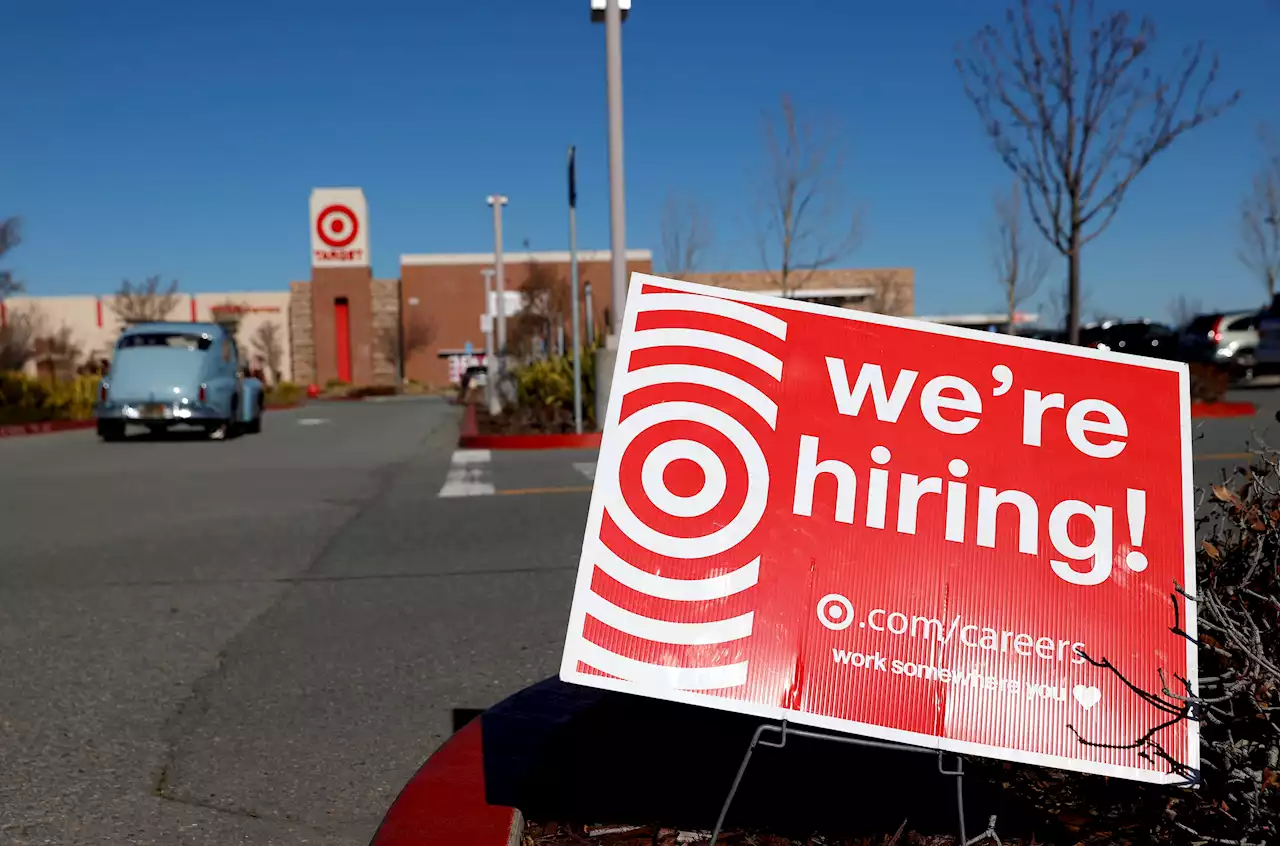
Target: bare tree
[(58, 354), (891, 296), (10, 237), (1078, 115), (1021, 263), (398, 348), (146, 301), (1182, 308), (268, 344), (806, 222), (18, 338), (1260, 219), (686, 235), (545, 300)]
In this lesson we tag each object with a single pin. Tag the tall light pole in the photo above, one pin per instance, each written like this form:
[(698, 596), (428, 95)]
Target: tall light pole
[(613, 12), (617, 182), (490, 359), (497, 201), (573, 276)]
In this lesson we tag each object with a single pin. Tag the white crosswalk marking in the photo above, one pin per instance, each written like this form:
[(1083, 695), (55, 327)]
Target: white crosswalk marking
[(470, 474), (586, 468)]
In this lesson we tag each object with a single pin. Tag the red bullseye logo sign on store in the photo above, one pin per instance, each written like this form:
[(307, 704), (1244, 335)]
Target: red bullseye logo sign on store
[(339, 228), (894, 529)]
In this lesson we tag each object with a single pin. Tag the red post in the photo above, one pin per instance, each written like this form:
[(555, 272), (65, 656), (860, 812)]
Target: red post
[(4, 315), (193, 309), (98, 302), (342, 337)]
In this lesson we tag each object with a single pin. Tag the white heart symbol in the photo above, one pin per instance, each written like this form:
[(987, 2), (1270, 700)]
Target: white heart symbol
[(1086, 696)]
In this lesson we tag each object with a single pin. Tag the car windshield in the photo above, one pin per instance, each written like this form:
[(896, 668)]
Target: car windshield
[(175, 340)]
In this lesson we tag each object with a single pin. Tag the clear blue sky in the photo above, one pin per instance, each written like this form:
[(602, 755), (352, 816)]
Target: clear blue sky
[(183, 138)]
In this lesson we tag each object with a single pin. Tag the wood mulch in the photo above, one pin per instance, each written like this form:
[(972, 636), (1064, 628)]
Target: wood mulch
[(573, 834)]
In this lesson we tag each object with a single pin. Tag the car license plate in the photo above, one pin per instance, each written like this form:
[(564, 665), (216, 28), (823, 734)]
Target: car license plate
[(152, 411)]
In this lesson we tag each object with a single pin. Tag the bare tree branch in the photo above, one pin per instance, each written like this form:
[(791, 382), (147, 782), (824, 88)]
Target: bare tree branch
[(10, 237), (806, 223), (1021, 263), (1182, 308), (268, 344), (892, 295), (686, 236), (18, 337), (398, 347), (1260, 219), (145, 302), (1076, 113)]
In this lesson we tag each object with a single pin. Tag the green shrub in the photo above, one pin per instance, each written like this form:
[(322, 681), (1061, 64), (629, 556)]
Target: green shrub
[(26, 400), (284, 393), (544, 390), (371, 391)]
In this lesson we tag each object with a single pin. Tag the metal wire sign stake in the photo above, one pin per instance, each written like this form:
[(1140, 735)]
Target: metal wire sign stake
[(784, 731)]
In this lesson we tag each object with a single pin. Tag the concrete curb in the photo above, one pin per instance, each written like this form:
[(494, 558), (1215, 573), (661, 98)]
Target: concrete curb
[(469, 438), (444, 803), (50, 427), (1203, 410)]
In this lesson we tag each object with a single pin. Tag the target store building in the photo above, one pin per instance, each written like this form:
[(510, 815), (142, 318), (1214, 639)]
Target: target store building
[(344, 324)]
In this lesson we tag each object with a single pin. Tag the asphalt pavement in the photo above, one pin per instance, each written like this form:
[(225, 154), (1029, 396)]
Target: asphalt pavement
[(259, 641)]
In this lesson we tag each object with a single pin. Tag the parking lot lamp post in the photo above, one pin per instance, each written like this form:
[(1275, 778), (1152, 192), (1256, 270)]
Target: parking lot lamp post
[(490, 359)]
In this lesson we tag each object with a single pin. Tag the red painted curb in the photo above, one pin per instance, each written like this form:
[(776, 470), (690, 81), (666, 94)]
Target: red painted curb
[(46, 428), (444, 802), (469, 437), (587, 441), (1223, 409)]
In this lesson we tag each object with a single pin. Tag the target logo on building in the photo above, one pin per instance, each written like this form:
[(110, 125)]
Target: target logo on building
[(339, 230), (337, 225)]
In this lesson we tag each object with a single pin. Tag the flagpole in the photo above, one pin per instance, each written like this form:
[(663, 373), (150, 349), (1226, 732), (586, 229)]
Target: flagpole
[(573, 274)]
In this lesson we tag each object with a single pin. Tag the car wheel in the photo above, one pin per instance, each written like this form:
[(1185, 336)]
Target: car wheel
[(220, 431), (111, 430), (254, 426)]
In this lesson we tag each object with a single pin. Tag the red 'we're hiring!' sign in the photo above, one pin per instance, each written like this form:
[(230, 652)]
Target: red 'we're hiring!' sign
[(889, 528)]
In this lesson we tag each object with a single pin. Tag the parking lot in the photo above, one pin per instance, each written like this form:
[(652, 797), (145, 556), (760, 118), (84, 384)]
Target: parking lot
[(260, 640)]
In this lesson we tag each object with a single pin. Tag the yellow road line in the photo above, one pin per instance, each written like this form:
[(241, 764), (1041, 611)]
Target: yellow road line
[(527, 491), (1224, 456)]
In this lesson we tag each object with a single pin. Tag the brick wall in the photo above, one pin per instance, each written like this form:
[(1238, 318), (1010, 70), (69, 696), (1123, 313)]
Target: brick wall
[(386, 320), (302, 354)]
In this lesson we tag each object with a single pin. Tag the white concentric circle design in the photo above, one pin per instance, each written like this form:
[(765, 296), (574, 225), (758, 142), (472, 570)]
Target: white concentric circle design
[(655, 486), (672, 546), (835, 612)]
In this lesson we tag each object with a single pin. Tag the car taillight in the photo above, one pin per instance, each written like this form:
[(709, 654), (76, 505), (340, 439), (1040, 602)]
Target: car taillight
[(1217, 331), (204, 392)]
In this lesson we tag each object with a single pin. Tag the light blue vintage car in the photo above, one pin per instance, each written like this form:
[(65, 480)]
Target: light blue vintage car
[(178, 374)]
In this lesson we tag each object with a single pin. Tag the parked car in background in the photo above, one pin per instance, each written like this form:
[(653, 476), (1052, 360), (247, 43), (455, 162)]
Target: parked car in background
[(1229, 339), (1136, 337), (1267, 358), (178, 374)]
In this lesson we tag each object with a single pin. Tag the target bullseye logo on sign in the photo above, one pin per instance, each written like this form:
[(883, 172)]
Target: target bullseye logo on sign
[(339, 228)]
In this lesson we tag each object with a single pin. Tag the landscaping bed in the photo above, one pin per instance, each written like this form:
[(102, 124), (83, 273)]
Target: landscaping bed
[(565, 834)]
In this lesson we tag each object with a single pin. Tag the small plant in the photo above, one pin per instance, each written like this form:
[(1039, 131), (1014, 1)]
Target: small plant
[(1209, 383), (284, 394)]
